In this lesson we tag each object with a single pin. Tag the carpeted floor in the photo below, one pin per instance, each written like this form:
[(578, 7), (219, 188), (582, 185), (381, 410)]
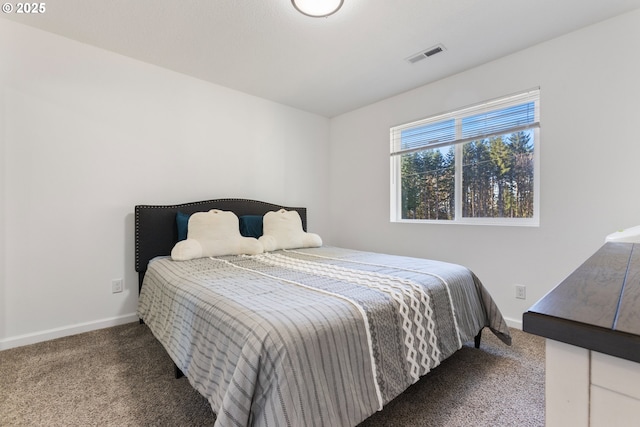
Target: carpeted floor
[(121, 376)]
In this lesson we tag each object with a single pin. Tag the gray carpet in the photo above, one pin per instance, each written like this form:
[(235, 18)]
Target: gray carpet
[(121, 376)]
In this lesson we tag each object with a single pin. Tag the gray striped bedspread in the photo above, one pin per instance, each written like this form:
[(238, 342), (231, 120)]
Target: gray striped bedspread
[(311, 337)]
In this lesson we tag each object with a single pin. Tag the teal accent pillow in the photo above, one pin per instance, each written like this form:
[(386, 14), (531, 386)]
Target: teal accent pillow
[(182, 221), (251, 225)]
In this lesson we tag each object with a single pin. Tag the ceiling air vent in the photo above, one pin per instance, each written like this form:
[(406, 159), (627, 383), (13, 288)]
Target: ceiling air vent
[(426, 53)]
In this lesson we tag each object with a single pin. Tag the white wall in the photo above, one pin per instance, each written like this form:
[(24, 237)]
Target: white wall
[(590, 146), (87, 134)]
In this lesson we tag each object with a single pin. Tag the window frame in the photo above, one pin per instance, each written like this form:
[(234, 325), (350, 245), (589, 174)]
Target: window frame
[(459, 115)]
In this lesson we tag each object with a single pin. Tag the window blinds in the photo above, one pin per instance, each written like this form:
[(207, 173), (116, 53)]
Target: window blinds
[(502, 116)]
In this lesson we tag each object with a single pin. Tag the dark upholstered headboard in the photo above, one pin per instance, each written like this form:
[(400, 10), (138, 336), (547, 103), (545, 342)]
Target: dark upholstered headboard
[(157, 232)]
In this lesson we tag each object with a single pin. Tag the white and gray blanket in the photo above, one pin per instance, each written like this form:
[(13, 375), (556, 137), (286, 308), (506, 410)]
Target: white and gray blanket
[(311, 337)]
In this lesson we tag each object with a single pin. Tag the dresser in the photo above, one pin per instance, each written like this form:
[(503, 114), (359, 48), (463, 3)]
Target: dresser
[(591, 322)]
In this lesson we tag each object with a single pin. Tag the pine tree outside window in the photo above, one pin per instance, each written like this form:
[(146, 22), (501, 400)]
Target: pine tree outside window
[(477, 165)]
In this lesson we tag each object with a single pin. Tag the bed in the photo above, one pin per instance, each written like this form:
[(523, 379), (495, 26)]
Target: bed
[(301, 336)]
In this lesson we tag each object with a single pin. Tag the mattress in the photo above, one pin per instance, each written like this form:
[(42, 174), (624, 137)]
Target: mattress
[(314, 337)]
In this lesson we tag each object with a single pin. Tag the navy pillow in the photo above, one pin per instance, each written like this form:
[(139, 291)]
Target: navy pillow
[(251, 225), (182, 221)]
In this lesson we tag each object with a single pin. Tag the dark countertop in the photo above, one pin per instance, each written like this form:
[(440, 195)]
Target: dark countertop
[(597, 307)]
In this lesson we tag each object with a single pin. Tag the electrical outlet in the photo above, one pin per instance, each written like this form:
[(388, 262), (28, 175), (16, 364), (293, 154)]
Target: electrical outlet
[(117, 285), (521, 292)]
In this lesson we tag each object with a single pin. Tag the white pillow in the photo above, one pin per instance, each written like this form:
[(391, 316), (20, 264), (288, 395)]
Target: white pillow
[(214, 233), (283, 230)]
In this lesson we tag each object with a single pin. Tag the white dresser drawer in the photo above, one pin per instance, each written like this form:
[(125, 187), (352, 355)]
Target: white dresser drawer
[(611, 409), (620, 375)]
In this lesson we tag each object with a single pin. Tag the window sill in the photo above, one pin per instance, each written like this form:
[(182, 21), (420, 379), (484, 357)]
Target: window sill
[(505, 222)]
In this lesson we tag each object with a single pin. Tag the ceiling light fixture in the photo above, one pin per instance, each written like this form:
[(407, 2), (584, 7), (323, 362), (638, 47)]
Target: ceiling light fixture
[(317, 8)]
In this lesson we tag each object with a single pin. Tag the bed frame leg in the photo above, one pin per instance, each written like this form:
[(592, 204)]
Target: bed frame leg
[(177, 371), (477, 339)]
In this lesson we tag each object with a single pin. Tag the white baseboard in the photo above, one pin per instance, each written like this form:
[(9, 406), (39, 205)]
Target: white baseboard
[(514, 323), (65, 331)]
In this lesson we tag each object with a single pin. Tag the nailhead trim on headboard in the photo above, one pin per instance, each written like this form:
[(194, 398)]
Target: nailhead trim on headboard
[(161, 218)]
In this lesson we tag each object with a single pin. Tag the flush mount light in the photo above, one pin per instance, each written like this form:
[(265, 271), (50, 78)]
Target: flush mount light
[(317, 8)]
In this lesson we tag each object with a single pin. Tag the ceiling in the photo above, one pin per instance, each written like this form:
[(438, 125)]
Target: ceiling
[(327, 65)]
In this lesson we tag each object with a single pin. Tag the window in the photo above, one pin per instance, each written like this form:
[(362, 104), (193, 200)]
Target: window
[(477, 165)]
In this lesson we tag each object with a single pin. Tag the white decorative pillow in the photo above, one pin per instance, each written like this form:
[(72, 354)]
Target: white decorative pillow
[(283, 230), (214, 233)]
